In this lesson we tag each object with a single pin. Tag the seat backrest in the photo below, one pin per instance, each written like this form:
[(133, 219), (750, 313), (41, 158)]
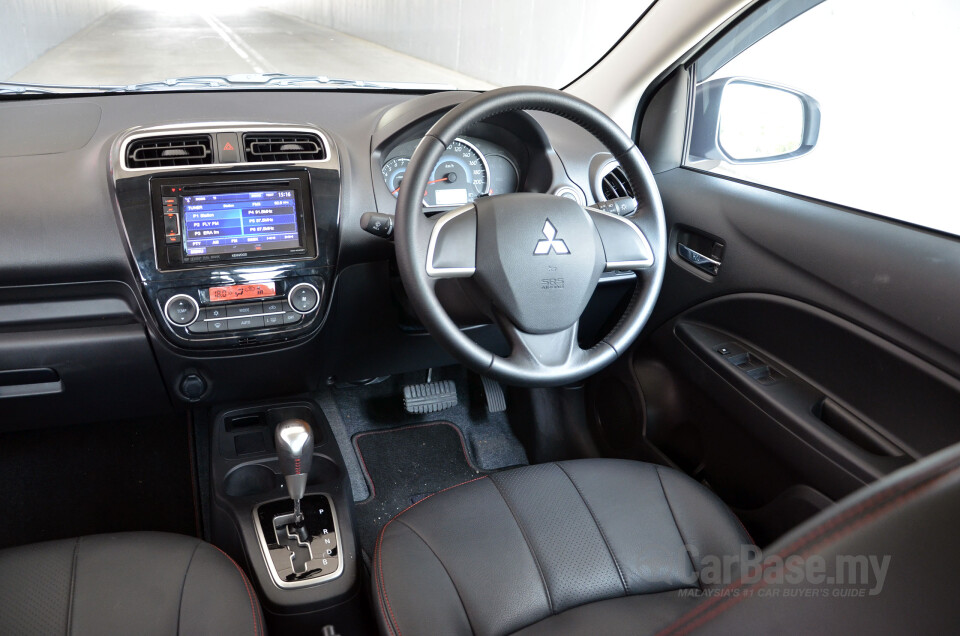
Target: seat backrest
[(884, 560)]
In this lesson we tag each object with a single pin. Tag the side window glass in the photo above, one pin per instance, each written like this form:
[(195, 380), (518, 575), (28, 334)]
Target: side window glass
[(850, 102)]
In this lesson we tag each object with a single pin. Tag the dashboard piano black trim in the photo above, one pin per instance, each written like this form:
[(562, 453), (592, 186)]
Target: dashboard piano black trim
[(135, 215)]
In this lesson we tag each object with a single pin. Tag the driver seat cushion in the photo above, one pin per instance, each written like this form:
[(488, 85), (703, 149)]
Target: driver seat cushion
[(593, 537), (126, 583)]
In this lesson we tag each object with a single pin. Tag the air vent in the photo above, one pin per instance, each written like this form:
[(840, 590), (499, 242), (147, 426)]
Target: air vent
[(614, 184), (283, 147), (158, 152)]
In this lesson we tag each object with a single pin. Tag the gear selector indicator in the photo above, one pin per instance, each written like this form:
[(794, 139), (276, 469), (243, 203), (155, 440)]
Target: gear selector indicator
[(300, 555)]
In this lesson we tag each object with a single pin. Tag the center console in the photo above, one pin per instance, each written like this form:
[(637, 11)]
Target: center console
[(307, 572), (233, 230)]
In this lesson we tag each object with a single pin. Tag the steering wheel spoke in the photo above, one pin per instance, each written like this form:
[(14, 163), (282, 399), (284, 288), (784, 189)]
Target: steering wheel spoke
[(539, 352), (452, 248), (624, 244)]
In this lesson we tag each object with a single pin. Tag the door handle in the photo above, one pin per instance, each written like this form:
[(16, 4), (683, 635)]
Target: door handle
[(698, 260), (700, 250)]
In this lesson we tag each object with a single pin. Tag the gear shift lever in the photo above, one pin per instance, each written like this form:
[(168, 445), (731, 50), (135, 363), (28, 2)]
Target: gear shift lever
[(294, 441)]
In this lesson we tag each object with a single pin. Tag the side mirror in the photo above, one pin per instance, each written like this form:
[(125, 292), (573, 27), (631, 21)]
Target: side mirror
[(745, 121)]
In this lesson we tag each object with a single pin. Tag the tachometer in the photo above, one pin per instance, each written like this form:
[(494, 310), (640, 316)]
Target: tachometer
[(393, 172), (461, 175)]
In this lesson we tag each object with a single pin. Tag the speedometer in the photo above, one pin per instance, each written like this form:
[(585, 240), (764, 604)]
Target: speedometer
[(461, 175)]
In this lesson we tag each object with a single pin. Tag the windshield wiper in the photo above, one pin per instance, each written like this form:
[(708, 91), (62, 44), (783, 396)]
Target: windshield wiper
[(18, 88), (258, 80), (283, 79)]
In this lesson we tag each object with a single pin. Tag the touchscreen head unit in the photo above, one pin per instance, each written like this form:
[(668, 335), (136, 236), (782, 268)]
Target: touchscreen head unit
[(202, 220), (232, 222)]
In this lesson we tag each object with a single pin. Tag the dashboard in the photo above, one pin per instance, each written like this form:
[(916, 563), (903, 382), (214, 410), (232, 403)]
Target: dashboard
[(205, 246)]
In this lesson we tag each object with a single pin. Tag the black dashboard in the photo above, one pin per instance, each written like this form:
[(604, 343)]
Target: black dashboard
[(191, 247)]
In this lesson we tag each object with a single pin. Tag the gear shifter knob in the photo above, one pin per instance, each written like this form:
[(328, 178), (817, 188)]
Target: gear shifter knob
[(294, 441)]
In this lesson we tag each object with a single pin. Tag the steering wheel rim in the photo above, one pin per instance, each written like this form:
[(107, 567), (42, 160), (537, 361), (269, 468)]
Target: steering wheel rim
[(545, 351)]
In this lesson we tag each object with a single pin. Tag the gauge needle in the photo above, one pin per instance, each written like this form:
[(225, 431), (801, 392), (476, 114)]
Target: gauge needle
[(428, 183)]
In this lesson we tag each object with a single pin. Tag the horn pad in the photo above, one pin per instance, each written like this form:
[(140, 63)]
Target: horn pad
[(539, 258)]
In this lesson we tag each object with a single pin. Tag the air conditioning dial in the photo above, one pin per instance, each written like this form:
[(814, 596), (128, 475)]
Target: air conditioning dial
[(181, 310), (304, 298)]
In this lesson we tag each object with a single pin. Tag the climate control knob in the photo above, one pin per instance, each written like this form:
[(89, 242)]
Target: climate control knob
[(181, 310), (304, 298)]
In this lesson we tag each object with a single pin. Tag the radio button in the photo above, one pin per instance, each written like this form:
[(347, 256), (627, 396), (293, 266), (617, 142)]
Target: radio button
[(304, 297), (246, 309), (249, 322), (273, 320), (198, 327), (216, 312), (272, 306), (181, 310), (171, 227), (217, 325)]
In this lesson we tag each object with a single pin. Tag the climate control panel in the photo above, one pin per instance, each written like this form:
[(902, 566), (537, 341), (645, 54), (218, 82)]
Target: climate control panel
[(251, 311)]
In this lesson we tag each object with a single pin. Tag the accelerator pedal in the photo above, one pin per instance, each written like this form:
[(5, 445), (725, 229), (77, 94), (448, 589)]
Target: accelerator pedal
[(493, 392), (429, 397)]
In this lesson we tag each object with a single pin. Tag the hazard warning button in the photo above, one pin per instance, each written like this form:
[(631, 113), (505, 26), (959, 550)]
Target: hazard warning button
[(228, 147)]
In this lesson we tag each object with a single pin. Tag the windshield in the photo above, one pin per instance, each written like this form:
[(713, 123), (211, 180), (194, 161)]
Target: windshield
[(48, 45)]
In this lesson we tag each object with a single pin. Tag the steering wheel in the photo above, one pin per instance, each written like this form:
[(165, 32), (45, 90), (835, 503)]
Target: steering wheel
[(536, 258)]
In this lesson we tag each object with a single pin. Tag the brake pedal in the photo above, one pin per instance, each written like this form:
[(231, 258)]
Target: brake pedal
[(493, 392), (429, 397)]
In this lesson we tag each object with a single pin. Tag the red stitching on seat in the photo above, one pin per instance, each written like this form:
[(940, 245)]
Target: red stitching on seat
[(715, 607), (250, 594), (379, 555)]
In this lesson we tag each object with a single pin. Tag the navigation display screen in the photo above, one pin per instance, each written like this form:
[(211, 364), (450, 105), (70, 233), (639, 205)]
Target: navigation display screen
[(240, 222)]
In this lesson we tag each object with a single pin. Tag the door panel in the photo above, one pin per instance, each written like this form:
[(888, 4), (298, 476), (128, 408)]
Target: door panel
[(821, 356)]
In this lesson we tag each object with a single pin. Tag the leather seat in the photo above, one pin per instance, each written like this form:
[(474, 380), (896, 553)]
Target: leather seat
[(597, 547), (128, 583), (594, 541)]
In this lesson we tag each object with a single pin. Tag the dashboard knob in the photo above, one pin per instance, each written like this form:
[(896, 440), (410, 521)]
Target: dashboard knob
[(304, 298), (181, 310)]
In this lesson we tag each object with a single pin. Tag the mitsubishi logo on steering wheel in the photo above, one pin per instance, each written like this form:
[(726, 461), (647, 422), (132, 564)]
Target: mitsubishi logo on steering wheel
[(550, 241)]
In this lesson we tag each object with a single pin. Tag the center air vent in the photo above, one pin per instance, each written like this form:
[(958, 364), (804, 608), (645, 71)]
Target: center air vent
[(180, 150), (614, 184), (283, 147)]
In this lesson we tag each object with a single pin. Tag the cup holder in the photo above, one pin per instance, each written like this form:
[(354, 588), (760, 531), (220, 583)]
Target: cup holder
[(262, 478), (249, 480)]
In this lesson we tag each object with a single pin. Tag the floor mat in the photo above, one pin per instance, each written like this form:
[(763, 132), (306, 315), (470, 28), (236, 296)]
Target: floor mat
[(351, 410), (405, 465), (65, 482)]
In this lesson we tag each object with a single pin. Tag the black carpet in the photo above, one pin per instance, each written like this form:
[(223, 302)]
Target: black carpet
[(353, 410), (403, 466), (57, 483)]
